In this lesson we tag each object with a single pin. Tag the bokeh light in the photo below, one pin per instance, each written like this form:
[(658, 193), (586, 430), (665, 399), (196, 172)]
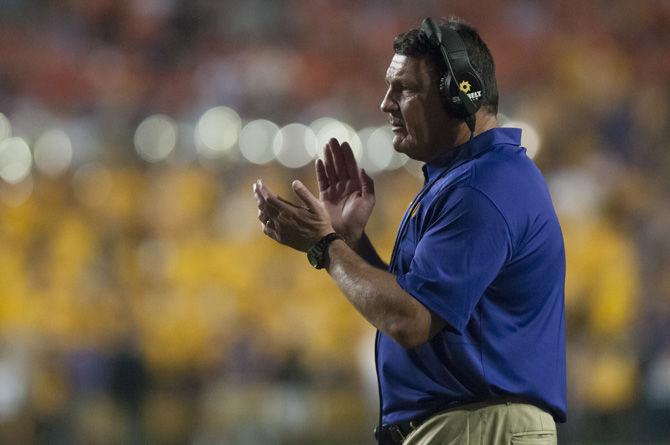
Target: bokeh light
[(217, 131), (318, 124), (326, 128), (5, 127), (155, 138), (256, 140), (365, 160), (295, 145), (53, 152), (15, 160), (378, 150), (530, 137), (128, 234), (414, 168)]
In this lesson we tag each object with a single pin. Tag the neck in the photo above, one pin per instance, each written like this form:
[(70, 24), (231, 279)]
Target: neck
[(460, 134), (484, 122)]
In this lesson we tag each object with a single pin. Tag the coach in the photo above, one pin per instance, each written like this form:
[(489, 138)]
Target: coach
[(470, 313)]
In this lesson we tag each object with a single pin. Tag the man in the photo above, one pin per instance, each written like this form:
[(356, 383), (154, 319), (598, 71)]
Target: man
[(470, 314)]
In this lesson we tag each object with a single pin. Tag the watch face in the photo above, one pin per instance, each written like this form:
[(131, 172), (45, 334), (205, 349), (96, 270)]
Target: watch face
[(316, 253), (314, 258)]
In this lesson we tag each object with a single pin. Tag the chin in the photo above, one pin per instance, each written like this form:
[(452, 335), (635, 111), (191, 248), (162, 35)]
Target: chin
[(400, 143), (405, 145), (397, 142)]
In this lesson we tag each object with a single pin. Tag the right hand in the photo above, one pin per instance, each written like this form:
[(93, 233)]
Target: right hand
[(347, 193)]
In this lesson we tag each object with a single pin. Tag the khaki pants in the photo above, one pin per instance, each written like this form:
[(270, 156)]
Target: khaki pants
[(502, 424)]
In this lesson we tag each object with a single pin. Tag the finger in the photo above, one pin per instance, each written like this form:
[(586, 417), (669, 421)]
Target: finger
[(264, 217), (264, 190), (272, 200), (330, 164), (269, 231), (321, 177), (367, 184), (269, 210), (261, 192), (289, 203), (256, 192), (338, 157), (263, 204), (305, 195), (277, 205), (350, 161)]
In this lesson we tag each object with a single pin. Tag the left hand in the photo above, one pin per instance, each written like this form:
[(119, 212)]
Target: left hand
[(299, 227), (347, 193)]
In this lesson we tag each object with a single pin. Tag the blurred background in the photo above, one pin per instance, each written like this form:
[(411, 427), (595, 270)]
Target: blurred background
[(140, 302)]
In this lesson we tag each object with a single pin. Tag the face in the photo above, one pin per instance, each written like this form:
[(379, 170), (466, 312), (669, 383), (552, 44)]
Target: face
[(420, 124)]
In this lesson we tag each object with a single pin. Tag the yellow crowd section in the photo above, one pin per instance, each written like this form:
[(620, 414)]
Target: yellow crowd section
[(175, 259)]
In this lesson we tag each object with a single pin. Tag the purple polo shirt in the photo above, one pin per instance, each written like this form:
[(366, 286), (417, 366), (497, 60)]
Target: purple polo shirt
[(481, 247)]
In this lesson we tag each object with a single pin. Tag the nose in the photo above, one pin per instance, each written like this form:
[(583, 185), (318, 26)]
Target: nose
[(388, 104)]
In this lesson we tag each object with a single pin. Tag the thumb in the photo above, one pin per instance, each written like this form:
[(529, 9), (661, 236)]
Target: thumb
[(305, 195)]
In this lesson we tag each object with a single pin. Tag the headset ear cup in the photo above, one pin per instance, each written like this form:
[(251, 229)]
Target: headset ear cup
[(471, 85), (445, 95)]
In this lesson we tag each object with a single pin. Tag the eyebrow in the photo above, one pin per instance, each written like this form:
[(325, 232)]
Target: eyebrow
[(401, 77), (398, 75)]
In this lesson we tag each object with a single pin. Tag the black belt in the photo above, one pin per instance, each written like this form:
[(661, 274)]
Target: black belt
[(395, 434)]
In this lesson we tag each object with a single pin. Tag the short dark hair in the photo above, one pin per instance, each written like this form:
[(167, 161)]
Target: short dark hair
[(415, 43)]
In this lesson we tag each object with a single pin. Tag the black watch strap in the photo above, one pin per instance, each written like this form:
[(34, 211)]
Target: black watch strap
[(316, 255)]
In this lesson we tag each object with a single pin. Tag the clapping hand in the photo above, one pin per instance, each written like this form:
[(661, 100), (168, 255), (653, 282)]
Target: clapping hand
[(346, 200), (347, 193), (297, 226)]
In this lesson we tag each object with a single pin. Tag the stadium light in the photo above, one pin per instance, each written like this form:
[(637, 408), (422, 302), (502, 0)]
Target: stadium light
[(155, 138), (217, 132), (256, 139), (294, 145), (326, 128), (379, 150), (5, 127), (530, 137), (53, 152), (15, 160)]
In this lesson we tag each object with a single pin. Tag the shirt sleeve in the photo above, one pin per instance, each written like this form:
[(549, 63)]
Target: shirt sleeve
[(463, 249)]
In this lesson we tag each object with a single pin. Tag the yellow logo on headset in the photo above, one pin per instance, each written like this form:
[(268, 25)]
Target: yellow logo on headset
[(465, 86)]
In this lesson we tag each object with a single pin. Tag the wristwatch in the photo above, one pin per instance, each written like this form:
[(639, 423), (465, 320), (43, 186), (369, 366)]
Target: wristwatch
[(316, 254)]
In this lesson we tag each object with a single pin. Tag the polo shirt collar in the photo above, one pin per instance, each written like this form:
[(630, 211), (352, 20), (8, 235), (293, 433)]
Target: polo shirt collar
[(481, 143)]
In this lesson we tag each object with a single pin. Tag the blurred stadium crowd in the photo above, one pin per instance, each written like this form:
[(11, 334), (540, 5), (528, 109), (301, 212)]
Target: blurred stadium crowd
[(139, 301)]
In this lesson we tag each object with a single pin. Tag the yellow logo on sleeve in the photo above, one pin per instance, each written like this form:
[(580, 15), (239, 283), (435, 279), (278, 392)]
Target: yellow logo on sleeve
[(415, 210)]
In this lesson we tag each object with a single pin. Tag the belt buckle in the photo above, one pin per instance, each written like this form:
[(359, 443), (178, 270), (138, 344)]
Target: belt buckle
[(389, 435), (396, 434)]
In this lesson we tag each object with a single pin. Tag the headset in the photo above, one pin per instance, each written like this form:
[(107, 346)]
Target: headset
[(461, 87)]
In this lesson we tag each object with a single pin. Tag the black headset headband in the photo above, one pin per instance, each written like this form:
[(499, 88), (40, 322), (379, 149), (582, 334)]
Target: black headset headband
[(455, 56)]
